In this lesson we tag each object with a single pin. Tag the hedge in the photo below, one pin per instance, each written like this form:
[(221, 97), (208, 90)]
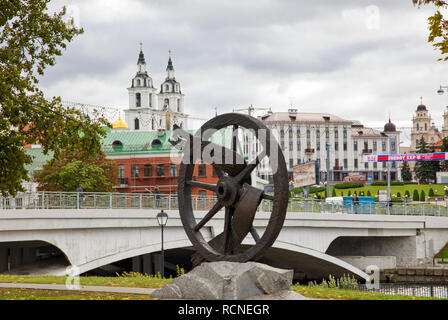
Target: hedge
[(349, 185)]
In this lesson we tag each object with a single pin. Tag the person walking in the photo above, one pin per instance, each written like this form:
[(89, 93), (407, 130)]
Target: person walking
[(157, 196), (81, 195), (355, 202)]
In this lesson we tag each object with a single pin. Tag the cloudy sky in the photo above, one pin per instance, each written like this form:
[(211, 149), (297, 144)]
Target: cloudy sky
[(356, 59)]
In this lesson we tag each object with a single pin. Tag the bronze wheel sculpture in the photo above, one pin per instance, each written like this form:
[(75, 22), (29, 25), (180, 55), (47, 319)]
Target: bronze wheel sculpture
[(234, 193)]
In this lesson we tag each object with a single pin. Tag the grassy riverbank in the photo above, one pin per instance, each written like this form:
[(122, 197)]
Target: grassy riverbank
[(143, 281)]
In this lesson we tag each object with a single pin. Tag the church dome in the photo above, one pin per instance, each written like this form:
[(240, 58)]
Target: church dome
[(120, 124), (421, 107), (389, 127)]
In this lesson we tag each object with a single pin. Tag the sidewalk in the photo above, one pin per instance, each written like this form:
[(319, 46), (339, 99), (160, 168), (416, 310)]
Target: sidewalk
[(81, 288)]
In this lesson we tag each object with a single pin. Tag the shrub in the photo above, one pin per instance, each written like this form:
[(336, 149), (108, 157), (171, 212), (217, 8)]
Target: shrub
[(431, 192), (368, 193), (342, 193), (398, 194), (384, 183), (415, 196), (333, 193), (349, 193), (406, 193), (422, 195), (349, 185)]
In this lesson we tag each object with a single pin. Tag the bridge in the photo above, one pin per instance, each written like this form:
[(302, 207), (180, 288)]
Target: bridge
[(315, 245)]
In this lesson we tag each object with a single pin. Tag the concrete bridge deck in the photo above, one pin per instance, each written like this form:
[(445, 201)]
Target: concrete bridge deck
[(315, 244)]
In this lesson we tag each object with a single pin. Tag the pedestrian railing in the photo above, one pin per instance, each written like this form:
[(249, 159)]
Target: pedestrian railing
[(98, 200), (416, 289)]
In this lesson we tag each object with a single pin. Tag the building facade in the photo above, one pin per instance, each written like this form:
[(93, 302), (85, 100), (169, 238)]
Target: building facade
[(424, 127), (304, 137)]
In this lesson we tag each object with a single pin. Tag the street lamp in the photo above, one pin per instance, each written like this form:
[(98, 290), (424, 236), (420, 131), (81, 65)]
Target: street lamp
[(162, 219)]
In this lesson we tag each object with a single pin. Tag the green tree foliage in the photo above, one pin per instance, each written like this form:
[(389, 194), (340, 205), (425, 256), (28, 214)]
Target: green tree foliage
[(437, 25), (407, 193), (422, 195), (415, 196), (406, 174), (369, 194), (425, 171), (349, 193), (333, 193), (444, 148), (31, 38), (431, 192), (398, 194), (94, 172)]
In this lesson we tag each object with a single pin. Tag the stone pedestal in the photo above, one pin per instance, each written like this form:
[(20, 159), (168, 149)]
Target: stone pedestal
[(229, 281)]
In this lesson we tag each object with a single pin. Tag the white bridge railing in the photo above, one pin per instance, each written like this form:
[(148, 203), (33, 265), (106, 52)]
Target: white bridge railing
[(95, 200)]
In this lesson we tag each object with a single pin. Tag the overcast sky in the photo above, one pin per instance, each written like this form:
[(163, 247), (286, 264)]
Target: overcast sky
[(356, 59)]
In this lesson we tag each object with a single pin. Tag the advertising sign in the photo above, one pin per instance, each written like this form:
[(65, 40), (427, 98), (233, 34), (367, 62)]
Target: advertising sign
[(382, 196), (304, 174), (407, 157)]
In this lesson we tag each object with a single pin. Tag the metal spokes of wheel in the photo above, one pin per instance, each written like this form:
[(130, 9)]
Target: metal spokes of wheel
[(233, 191)]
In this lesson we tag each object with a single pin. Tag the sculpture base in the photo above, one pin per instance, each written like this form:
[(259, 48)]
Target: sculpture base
[(230, 281)]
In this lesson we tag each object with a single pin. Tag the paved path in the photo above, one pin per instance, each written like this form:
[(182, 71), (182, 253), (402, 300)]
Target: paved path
[(81, 288)]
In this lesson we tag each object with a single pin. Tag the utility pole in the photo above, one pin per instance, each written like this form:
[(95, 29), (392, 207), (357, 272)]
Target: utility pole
[(328, 169), (388, 187)]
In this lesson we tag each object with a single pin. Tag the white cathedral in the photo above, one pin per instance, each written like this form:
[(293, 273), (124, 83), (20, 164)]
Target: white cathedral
[(152, 110)]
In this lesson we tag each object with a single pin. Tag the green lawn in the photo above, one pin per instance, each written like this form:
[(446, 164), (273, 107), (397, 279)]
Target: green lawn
[(140, 281), (34, 294), (393, 189), (130, 280)]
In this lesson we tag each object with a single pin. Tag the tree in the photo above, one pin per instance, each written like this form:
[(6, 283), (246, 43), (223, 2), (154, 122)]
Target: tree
[(333, 193), (415, 196), (31, 38), (425, 171), (65, 173), (422, 195), (444, 148), (431, 192), (437, 25), (406, 174)]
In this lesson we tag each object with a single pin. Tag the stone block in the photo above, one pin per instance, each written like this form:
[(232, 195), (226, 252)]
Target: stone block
[(438, 272), (411, 272), (228, 281), (401, 271)]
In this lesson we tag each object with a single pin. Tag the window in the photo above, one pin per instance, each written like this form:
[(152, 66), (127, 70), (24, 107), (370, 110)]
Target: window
[(298, 161), (291, 163), (290, 145), (178, 105), (336, 133), (167, 102), (290, 133), (317, 133), (375, 165), (160, 170), (202, 171), (136, 124), (344, 132), (138, 82), (366, 165), (384, 147), (336, 146), (308, 134), (134, 171), (374, 145), (150, 100), (121, 171), (173, 170), (282, 133), (345, 163), (366, 145), (147, 170), (327, 133), (345, 146), (355, 163), (392, 146), (138, 99), (355, 145), (167, 87), (318, 146), (298, 133)]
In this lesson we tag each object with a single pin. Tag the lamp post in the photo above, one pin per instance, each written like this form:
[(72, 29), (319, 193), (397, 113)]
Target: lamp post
[(328, 170), (162, 219)]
